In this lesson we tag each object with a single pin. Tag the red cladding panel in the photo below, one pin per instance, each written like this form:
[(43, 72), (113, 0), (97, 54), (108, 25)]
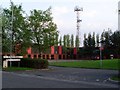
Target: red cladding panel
[(52, 49), (60, 49), (75, 51), (101, 48), (29, 50)]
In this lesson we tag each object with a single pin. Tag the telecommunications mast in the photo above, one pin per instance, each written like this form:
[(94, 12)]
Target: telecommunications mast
[(78, 9)]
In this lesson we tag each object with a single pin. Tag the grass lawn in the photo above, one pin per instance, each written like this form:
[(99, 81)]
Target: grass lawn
[(116, 78), (106, 64), (16, 69)]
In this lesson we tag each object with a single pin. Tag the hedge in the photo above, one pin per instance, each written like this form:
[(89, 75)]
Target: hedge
[(34, 63)]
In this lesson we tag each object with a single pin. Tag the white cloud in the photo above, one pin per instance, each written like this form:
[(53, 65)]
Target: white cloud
[(65, 26), (27, 0), (93, 0), (61, 18), (91, 13), (58, 11)]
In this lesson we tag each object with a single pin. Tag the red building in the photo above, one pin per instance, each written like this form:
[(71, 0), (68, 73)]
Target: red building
[(55, 52)]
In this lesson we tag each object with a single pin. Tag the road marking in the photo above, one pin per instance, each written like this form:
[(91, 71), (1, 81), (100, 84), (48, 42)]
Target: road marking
[(97, 80), (104, 81)]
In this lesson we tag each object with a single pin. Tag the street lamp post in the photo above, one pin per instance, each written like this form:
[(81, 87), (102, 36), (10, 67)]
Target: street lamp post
[(101, 49), (100, 55), (11, 32)]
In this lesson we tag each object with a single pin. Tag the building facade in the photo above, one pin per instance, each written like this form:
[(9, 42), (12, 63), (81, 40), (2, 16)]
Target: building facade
[(53, 53)]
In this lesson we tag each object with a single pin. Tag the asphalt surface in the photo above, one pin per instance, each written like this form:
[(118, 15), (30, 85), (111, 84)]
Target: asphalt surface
[(60, 77)]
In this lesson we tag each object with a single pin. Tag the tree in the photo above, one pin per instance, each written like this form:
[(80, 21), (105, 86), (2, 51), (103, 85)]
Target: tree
[(65, 41), (15, 27), (1, 29), (106, 43), (85, 42), (43, 29), (115, 39), (77, 41), (97, 40), (56, 39), (60, 41), (102, 38), (93, 40), (68, 40), (89, 40), (72, 40), (105, 38), (6, 39)]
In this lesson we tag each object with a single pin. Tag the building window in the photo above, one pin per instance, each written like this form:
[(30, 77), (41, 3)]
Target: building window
[(35, 56), (60, 56), (52, 56), (43, 56), (39, 56), (47, 56), (29, 56)]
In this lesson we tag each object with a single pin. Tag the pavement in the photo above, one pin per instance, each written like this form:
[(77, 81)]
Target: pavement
[(62, 77)]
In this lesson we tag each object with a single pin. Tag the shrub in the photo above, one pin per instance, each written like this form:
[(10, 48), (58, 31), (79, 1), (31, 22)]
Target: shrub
[(34, 63)]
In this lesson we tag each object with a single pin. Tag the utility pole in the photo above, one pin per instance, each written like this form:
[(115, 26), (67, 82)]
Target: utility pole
[(11, 49), (100, 54), (119, 21)]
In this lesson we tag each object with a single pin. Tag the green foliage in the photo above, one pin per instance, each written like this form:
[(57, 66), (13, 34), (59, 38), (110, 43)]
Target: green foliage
[(72, 41), (116, 78), (38, 28), (60, 41), (56, 42), (77, 41), (115, 39), (34, 63), (65, 41), (1, 27), (105, 38), (5, 35), (85, 42), (15, 28), (43, 29), (68, 40), (89, 40), (97, 40), (108, 40), (93, 40)]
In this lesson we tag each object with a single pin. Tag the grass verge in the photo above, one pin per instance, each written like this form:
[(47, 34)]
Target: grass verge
[(16, 69), (97, 64), (115, 78)]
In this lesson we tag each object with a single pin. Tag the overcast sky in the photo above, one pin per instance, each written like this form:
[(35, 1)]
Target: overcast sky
[(97, 15)]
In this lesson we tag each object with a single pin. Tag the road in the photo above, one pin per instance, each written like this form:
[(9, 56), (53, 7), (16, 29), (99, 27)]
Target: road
[(59, 77)]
